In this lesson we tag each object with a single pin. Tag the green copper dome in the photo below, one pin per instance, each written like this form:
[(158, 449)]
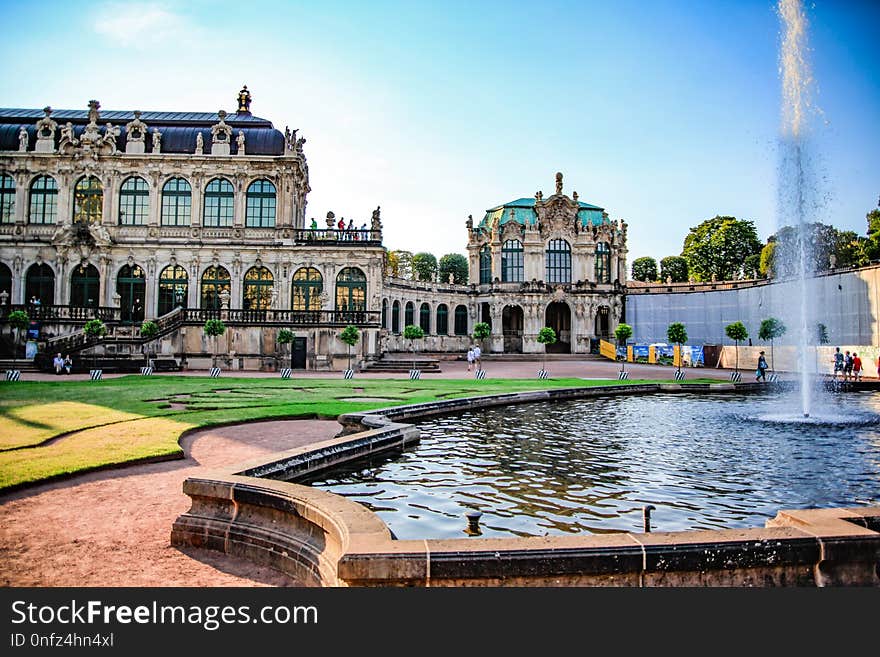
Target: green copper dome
[(524, 212)]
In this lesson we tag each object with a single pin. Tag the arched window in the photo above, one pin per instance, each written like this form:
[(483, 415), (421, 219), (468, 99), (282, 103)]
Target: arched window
[(88, 200), (215, 282), (219, 203), (39, 282), (44, 201), (173, 288), (261, 204), (7, 199), (442, 320), (351, 289), (258, 283), (85, 284), (6, 282), (485, 265), (461, 320), (134, 202), (395, 317), (383, 323), (306, 289), (558, 262), (512, 262), (603, 263), (176, 203), (425, 318), (409, 314), (131, 286)]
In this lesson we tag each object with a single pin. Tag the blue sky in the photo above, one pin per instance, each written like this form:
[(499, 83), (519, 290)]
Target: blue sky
[(665, 113)]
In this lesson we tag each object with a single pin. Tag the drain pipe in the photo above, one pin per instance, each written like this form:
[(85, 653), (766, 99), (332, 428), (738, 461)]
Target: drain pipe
[(646, 517)]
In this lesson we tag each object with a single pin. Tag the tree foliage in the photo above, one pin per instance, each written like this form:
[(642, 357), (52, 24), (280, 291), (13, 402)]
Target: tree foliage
[(752, 266), (149, 329), (214, 327), (350, 335), (676, 333), (285, 336), (719, 246), (644, 269), (623, 332), (399, 264), (821, 333), (95, 328), (871, 247), (771, 328), (824, 245), (455, 264), (413, 332), (768, 255), (482, 331), (424, 266), (674, 267), (547, 336), (736, 331), (18, 319)]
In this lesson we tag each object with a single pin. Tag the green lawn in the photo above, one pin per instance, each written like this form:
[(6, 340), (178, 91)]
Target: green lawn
[(50, 429)]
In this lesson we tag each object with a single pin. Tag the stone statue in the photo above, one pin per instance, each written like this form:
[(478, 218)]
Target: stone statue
[(200, 144), (451, 278), (273, 297), (669, 280), (470, 222), (22, 139), (157, 141), (224, 298), (244, 100), (67, 134), (376, 222), (299, 144), (239, 141), (559, 182), (4, 297), (331, 224)]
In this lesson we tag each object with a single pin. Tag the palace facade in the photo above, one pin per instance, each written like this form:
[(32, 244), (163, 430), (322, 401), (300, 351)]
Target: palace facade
[(185, 216)]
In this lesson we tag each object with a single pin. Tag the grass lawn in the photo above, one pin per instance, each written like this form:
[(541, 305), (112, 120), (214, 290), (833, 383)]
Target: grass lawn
[(51, 429)]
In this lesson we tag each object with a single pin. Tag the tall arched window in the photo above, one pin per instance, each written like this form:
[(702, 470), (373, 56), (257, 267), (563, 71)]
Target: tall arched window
[(425, 318), (131, 285), (395, 317), (384, 321), (215, 282), (88, 200), (442, 319), (461, 320), (219, 203), (85, 283), (306, 289), (603, 263), (44, 201), (173, 288), (176, 203), (261, 204), (351, 289), (134, 202), (485, 264), (258, 283), (7, 199), (39, 282), (558, 261), (6, 282), (409, 314), (512, 261)]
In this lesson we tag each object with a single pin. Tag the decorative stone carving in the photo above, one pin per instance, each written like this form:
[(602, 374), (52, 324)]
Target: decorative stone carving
[(290, 139), (239, 142), (135, 135), (299, 145), (200, 144), (221, 135), (22, 140), (157, 141), (45, 130), (224, 298), (558, 182), (376, 221), (244, 101)]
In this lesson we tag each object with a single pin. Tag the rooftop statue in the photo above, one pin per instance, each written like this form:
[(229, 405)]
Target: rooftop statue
[(244, 101)]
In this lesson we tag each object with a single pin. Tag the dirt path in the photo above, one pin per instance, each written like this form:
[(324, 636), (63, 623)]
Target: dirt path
[(113, 528)]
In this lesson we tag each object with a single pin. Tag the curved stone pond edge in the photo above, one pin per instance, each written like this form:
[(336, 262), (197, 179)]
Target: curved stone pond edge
[(322, 539)]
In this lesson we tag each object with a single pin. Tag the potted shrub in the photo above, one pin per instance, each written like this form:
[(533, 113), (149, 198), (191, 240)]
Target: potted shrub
[(18, 320), (736, 332), (213, 329), (412, 333), (677, 334), (623, 332), (350, 335), (95, 329), (284, 337), (771, 328), (149, 331), (546, 336)]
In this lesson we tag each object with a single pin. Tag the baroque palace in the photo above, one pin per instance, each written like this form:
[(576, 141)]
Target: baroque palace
[(186, 216)]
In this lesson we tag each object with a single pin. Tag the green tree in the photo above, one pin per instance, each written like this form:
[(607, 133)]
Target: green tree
[(850, 249), (677, 334), (149, 331), (412, 333), (424, 266), (402, 264), (768, 256), (392, 264), (825, 244), (821, 338), (737, 332), (350, 335), (719, 246), (752, 266), (482, 331), (546, 336), (284, 337), (771, 328), (214, 328), (455, 264), (623, 332), (871, 246), (675, 267), (95, 329), (18, 321), (644, 269)]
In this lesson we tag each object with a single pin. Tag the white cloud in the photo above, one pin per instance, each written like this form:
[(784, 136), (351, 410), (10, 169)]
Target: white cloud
[(140, 25)]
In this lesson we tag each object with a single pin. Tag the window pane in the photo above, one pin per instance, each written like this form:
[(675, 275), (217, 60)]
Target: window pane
[(7, 199), (43, 201)]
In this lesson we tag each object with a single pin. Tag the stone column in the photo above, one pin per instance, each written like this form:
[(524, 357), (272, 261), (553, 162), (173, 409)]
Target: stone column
[(21, 209), (150, 297), (197, 208), (496, 339), (108, 216), (106, 288), (155, 202), (65, 199), (240, 203), (62, 280), (18, 283), (193, 287)]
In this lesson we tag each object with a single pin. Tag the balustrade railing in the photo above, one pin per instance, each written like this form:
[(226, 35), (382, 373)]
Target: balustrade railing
[(334, 236), (286, 317), (44, 313)]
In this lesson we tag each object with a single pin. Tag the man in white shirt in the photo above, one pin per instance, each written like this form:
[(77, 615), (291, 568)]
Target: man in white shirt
[(477, 353), (58, 364)]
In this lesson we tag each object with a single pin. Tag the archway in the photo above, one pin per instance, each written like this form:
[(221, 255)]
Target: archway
[(558, 317), (603, 322), (512, 326), (131, 286), (85, 283), (39, 283)]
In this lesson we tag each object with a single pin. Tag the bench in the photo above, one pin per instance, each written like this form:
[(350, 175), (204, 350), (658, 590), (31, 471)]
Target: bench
[(165, 365)]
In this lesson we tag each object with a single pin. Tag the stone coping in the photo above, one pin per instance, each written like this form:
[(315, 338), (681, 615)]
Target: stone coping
[(324, 539)]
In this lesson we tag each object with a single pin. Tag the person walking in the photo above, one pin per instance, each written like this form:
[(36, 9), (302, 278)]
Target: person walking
[(838, 362), (470, 358), (761, 372), (847, 366), (477, 353), (857, 367)]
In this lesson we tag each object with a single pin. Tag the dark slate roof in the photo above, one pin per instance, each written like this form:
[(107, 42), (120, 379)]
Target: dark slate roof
[(178, 129)]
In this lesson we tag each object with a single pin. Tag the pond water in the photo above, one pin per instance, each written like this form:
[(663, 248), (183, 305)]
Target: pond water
[(589, 466)]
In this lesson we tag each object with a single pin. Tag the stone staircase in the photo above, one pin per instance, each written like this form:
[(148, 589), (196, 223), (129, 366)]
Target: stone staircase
[(397, 365), (20, 364)]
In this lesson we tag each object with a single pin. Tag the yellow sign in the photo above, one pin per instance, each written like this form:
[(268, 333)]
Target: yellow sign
[(676, 356), (652, 354), (607, 349), (629, 354)]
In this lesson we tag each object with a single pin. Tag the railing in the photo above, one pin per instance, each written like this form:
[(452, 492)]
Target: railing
[(354, 237), (49, 313), (286, 317)]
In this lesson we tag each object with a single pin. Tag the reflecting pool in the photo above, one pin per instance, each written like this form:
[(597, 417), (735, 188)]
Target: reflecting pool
[(589, 466)]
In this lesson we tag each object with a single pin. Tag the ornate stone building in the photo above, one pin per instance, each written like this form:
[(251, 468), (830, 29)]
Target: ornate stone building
[(182, 217)]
